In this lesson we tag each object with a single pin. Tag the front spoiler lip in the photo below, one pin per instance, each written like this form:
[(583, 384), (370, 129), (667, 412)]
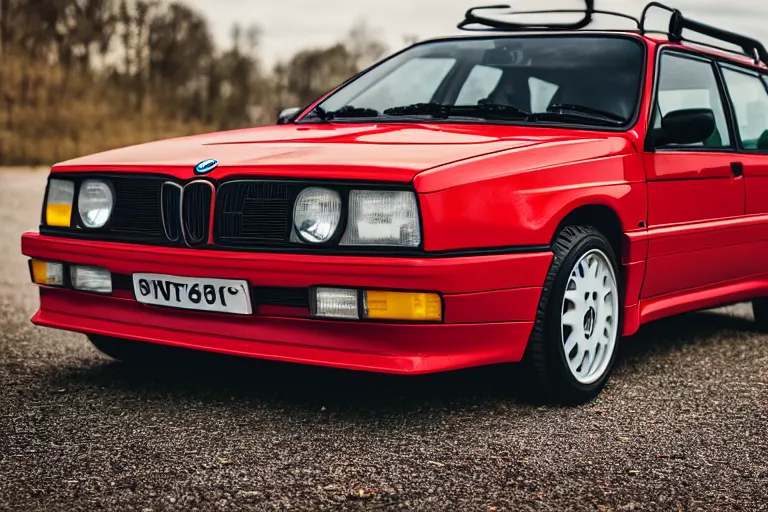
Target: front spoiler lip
[(399, 349)]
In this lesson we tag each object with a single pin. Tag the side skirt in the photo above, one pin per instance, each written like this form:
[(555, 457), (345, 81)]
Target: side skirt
[(728, 292)]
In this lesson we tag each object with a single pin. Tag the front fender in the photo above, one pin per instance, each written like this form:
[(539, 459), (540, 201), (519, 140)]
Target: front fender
[(525, 208)]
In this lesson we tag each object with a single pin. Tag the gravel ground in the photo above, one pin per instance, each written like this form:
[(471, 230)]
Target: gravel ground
[(682, 425)]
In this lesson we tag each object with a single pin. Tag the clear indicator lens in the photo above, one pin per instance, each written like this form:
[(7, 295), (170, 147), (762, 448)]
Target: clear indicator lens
[(387, 218), (316, 214), (336, 303), (94, 202), (58, 209), (91, 279), (47, 273)]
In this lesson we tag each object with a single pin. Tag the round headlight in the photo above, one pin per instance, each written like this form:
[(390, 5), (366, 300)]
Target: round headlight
[(316, 214), (94, 202)]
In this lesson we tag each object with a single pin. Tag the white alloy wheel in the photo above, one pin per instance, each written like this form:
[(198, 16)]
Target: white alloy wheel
[(590, 317)]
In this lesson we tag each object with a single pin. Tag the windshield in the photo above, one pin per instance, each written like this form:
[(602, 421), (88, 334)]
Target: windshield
[(593, 80)]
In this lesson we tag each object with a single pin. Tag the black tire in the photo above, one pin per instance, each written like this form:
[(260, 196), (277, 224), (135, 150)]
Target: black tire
[(545, 356), (760, 310), (137, 353)]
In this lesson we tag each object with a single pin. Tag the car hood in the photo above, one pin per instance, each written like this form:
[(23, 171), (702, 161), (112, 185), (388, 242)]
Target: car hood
[(387, 152)]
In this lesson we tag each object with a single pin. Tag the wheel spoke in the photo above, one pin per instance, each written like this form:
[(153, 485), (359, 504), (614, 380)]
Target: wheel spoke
[(602, 280), (572, 318), (596, 358), (584, 364), (571, 342), (572, 295)]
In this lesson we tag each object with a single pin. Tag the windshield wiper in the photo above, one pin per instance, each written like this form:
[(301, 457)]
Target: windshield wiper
[(348, 111), (563, 110), (490, 111), (352, 111), (483, 110), (435, 110), (439, 111), (319, 113)]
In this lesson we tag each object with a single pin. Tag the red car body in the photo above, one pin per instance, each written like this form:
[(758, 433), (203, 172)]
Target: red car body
[(492, 198)]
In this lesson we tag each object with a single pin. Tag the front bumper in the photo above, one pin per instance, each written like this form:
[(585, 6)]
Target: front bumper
[(489, 305)]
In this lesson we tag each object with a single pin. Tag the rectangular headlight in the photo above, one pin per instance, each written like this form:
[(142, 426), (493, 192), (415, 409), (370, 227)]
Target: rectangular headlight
[(47, 272), (336, 303), (382, 217), (58, 204), (90, 279)]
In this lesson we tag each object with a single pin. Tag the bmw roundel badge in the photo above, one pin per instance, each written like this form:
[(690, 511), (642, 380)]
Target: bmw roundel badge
[(206, 166)]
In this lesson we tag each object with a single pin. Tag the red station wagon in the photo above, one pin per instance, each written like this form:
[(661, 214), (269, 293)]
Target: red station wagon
[(526, 194)]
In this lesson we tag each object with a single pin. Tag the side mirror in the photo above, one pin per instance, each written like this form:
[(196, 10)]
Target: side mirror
[(685, 127), (288, 115)]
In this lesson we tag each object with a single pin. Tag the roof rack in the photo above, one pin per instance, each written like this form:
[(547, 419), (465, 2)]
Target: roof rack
[(484, 24), (677, 23), (476, 22)]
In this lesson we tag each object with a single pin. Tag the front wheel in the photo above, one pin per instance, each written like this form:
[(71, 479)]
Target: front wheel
[(573, 344), (760, 310)]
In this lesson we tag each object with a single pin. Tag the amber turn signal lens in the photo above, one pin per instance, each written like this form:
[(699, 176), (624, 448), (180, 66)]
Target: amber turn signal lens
[(58, 206), (387, 305), (45, 272), (58, 215)]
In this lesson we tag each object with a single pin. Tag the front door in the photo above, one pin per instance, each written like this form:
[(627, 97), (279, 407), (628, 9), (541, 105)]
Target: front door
[(696, 191)]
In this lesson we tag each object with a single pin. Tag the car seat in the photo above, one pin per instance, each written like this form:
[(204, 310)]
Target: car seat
[(762, 141)]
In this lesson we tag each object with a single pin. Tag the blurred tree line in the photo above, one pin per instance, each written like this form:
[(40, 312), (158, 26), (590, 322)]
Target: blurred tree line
[(80, 76)]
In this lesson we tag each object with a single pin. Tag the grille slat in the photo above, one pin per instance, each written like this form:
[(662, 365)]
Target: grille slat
[(196, 212), (254, 212), (171, 211), (137, 207)]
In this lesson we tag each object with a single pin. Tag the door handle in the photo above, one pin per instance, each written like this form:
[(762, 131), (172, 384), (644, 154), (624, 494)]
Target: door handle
[(737, 169)]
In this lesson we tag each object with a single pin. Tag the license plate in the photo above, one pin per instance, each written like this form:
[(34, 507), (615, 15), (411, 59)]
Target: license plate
[(201, 294)]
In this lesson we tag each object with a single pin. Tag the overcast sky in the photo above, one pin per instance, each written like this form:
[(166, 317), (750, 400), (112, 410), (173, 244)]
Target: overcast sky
[(291, 25)]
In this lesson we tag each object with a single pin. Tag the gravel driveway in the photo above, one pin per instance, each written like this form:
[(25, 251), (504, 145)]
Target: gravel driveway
[(682, 425)]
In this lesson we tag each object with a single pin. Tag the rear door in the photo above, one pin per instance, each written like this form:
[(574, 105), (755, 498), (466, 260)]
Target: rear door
[(748, 91), (694, 191)]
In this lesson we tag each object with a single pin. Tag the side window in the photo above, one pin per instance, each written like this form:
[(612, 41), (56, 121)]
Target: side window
[(750, 103), (480, 83), (686, 83)]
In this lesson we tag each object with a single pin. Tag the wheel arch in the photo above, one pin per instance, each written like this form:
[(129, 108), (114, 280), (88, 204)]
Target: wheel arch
[(599, 215)]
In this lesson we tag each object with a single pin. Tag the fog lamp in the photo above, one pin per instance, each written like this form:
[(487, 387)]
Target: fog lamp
[(47, 273), (336, 303), (90, 279), (388, 305)]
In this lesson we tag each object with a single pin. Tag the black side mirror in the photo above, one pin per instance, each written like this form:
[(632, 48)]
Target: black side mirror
[(685, 127), (288, 115)]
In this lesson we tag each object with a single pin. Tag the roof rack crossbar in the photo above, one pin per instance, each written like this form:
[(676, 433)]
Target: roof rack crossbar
[(677, 23), (491, 25)]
